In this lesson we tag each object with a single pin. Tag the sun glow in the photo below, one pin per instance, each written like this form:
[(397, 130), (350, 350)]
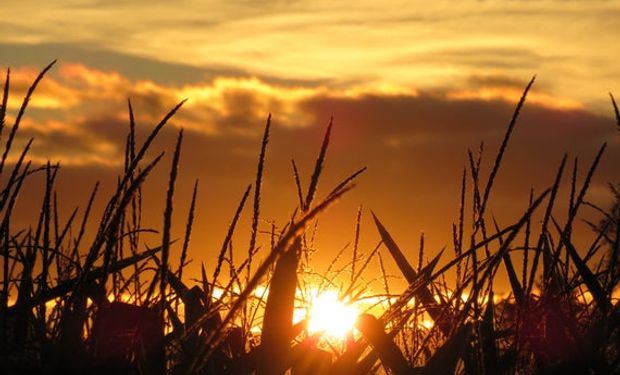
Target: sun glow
[(331, 316)]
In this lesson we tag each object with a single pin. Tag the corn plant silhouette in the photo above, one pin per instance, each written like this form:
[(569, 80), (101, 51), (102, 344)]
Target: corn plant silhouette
[(56, 314)]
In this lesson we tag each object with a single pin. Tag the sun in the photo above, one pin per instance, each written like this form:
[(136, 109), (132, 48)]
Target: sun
[(330, 316)]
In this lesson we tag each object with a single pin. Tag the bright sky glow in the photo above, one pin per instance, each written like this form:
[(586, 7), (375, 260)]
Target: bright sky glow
[(411, 84)]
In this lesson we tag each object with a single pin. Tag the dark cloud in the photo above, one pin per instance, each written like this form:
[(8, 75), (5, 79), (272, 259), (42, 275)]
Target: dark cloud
[(131, 66), (472, 57), (109, 129), (495, 80), (415, 148)]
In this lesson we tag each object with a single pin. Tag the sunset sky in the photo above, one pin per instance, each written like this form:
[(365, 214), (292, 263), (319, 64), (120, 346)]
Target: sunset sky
[(411, 86)]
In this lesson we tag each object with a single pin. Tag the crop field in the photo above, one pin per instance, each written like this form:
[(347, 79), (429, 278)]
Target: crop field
[(87, 295)]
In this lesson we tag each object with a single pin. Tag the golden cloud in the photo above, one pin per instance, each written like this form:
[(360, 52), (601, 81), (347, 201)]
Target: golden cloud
[(89, 118), (512, 95), (52, 93)]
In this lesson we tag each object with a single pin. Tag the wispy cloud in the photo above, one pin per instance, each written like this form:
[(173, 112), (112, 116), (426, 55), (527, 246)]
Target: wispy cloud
[(409, 44)]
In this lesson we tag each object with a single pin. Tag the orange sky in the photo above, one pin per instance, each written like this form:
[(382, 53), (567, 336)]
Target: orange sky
[(411, 87)]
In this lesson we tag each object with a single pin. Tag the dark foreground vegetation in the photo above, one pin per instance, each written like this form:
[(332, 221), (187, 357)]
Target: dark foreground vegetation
[(56, 287)]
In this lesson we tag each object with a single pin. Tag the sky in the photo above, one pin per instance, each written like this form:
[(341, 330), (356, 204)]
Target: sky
[(411, 86)]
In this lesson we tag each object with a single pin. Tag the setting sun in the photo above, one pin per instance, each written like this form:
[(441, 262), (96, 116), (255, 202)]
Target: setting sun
[(331, 316)]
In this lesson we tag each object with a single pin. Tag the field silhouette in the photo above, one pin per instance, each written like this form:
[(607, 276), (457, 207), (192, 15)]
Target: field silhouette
[(111, 304)]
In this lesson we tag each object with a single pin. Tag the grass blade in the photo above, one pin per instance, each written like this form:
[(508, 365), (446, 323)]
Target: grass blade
[(165, 242), (616, 112), (277, 331), (188, 230), (425, 295), (20, 114), (389, 353), (502, 148), (257, 190), (314, 181), (5, 99), (595, 288), (229, 234)]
